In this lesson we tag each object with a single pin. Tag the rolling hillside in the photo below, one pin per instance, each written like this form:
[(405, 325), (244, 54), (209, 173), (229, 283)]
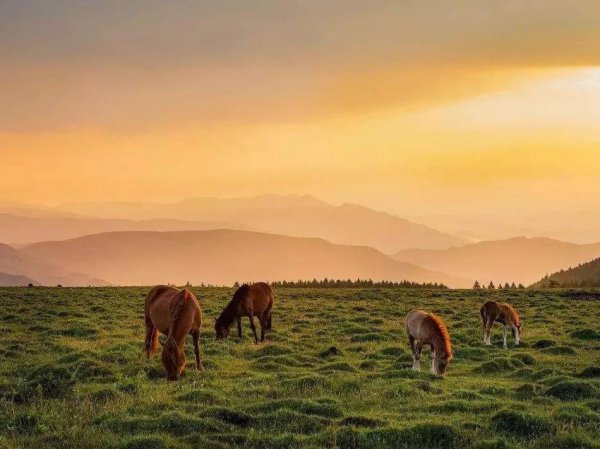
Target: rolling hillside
[(223, 257), (18, 263), (584, 275), (299, 216), (519, 259), (15, 280), (20, 229)]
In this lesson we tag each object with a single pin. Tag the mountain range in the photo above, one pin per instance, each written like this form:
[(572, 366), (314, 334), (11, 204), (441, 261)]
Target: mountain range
[(298, 216), (221, 257), (22, 268), (520, 259), (270, 237)]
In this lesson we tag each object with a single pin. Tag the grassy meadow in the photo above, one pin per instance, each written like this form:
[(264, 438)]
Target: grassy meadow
[(335, 373)]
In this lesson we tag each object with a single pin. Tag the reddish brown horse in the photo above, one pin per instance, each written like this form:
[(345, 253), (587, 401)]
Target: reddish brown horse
[(254, 300), (175, 313), (503, 313), (427, 329)]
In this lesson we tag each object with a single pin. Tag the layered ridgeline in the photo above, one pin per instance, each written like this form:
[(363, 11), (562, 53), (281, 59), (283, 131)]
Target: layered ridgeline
[(21, 268), (298, 216), (584, 275), (520, 260), (223, 257), (16, 280)]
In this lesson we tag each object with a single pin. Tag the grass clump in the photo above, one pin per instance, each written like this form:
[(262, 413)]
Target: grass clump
[(520, 424), (542, 344), (423, 436), (586, 334), (362, 421), (572, 390), (590, 372), (145, 442)]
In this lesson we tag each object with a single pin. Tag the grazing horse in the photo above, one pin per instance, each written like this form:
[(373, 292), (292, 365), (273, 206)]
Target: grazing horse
[(427, 329), (249, 300), (503, 313), (174, 313)]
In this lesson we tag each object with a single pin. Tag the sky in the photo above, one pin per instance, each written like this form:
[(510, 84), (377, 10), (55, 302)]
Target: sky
[(414, 107)]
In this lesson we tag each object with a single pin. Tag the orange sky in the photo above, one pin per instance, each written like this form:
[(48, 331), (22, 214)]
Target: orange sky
[(411, 107)]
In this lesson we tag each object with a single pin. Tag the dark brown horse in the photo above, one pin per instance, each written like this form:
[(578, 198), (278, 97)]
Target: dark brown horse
[(254, 300), (503, 313), (427, 329), (175, 313)]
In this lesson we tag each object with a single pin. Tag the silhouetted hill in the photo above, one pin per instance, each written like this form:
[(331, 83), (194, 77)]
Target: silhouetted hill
[(519, 259), (583, 275), (300, 216), (15, 280), (223, 257), (18, 229), (17, 262)]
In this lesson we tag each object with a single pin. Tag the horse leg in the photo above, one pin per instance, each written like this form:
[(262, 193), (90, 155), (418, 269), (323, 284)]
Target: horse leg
[(504, 334), (239, 325), (251, 318), (196, 338), (151, 338), (416, 349), (269, 322), (263, 325), (488, 332), (432, 357)]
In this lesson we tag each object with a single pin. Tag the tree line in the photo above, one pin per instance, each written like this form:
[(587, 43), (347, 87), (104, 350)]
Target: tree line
[(358, 283), (491, 286)]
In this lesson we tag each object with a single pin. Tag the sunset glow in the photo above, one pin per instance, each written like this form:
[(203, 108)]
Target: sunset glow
[(142, 114)]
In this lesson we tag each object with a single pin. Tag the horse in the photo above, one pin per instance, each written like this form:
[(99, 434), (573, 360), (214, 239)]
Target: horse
[(175, 313), (503, 313), (249, 300), (428, 329)]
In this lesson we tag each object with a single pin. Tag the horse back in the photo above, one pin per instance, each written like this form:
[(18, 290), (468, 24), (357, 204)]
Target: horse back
[(259, 298), (417, 324), (489, 310)]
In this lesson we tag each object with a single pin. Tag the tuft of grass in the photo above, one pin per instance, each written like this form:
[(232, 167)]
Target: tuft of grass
[(559, 350), (542, 344), (572, 390), (520, 424), (590, 372), (499, 364), (362, 421), (422, 436), (586, 334), (145, 442)]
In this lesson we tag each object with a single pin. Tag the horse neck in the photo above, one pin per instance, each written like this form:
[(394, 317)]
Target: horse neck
[(230, 312)]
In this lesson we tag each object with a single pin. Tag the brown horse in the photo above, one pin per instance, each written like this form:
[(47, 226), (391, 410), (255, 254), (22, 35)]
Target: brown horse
[(174, 313), (503, 313), (427, 329), (249, 300)]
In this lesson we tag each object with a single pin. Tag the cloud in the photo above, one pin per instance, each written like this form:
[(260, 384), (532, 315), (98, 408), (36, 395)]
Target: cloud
[(142, 64)]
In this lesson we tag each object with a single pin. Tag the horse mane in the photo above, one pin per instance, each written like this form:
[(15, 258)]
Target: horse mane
[(514, 316), (228, 313), (177, 311), (441, 327)]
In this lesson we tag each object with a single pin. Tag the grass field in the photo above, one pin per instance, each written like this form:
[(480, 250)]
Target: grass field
[(335, 373)]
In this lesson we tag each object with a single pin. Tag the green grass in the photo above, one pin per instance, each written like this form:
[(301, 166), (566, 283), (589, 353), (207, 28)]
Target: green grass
[(335, 373)]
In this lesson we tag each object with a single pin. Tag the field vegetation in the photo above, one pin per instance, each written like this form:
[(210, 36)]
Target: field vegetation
[(335, 373)]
